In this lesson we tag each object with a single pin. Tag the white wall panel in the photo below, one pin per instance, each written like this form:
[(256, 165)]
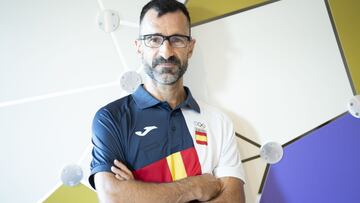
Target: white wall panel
[(276, 70), (128, 30), (40, 138), (129, 11), (50, 46), (125, 39)]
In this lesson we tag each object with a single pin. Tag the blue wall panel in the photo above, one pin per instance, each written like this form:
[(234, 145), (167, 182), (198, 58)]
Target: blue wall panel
[(323, 166)]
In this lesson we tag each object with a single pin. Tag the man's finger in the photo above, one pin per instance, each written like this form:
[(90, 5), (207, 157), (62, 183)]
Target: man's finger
[(119, 177), (121, 173), (115, 170), (122, 167)]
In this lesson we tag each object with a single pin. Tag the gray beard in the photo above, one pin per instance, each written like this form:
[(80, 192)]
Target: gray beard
[(172, 74)]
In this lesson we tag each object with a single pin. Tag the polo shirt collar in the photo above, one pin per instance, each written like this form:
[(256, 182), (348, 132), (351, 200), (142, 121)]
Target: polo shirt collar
[(144, 99), (189, 101)]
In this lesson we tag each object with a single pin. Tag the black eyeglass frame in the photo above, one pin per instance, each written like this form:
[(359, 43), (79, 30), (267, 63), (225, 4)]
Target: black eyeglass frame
[(143, 37)]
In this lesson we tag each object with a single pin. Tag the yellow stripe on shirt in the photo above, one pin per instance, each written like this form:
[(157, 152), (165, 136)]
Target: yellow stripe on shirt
[(176, 166)]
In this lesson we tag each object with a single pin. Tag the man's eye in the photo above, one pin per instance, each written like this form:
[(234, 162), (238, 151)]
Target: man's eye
[(177, 40), (155, 40)]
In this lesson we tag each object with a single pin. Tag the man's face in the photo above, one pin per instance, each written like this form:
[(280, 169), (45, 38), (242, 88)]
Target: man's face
[(165, 65)]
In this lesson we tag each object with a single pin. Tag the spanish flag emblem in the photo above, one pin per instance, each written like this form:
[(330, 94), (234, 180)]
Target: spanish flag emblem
[(200, 136)]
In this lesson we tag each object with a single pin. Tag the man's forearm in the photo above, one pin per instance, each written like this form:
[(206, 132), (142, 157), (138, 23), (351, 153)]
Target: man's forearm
[(111, 190), (137, 191), (232, 191)]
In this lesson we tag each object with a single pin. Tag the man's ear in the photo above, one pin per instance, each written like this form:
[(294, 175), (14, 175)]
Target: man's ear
[(138, 47), (191, 47)]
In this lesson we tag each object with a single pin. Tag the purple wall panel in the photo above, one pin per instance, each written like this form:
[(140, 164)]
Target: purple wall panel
[(323, 166)]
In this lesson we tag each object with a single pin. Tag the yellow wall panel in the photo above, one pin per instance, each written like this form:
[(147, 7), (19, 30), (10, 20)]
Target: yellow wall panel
[(347, 21), (204, 10), (76, 194)]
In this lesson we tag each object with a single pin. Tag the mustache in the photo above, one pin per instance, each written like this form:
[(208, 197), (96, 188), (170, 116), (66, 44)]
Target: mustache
[(173, 60)]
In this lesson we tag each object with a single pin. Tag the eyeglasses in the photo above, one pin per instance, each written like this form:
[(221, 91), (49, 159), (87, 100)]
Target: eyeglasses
[(156, 40)]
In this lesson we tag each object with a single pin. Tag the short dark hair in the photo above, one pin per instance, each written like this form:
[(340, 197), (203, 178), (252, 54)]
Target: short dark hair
[(165, 6)]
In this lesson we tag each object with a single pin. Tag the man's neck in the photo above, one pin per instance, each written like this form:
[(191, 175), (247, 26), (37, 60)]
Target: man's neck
[(172, 94)]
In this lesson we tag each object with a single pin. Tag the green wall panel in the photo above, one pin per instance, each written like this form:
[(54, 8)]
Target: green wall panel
[(76, 194), (346, 14), (205, 10)]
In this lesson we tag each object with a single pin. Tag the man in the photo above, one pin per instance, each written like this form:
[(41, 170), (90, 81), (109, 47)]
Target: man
[(159, 144)]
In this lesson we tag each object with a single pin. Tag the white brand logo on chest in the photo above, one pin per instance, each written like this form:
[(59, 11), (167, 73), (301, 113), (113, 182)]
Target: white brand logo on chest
[(147, 129)]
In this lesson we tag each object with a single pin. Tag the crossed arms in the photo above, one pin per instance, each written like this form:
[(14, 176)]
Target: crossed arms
[(122, 187)]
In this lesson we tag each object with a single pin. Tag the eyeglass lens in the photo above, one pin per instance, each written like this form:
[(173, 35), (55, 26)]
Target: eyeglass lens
[(156, 41)]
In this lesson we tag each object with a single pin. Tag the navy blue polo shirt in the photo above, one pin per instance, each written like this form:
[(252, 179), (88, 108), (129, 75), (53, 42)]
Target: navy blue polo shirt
[(145, 134)]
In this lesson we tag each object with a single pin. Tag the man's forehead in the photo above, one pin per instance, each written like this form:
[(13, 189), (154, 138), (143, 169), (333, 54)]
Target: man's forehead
[(151, 14), (171, 20)]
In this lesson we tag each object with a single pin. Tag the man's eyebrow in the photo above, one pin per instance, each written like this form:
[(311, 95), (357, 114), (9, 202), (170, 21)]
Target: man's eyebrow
[(155, 34)]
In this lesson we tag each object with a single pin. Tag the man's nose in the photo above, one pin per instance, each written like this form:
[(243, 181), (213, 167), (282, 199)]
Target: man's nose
[(166, 50)]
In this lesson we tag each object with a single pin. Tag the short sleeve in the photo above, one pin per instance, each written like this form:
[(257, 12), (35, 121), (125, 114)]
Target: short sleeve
[(107, 144), (230, 160)]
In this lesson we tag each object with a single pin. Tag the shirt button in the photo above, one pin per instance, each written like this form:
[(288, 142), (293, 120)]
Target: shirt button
[(173, 128)]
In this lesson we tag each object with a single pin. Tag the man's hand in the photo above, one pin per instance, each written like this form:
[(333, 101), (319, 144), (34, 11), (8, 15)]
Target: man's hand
[(232, 191), (205, 187), (121, 171)]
